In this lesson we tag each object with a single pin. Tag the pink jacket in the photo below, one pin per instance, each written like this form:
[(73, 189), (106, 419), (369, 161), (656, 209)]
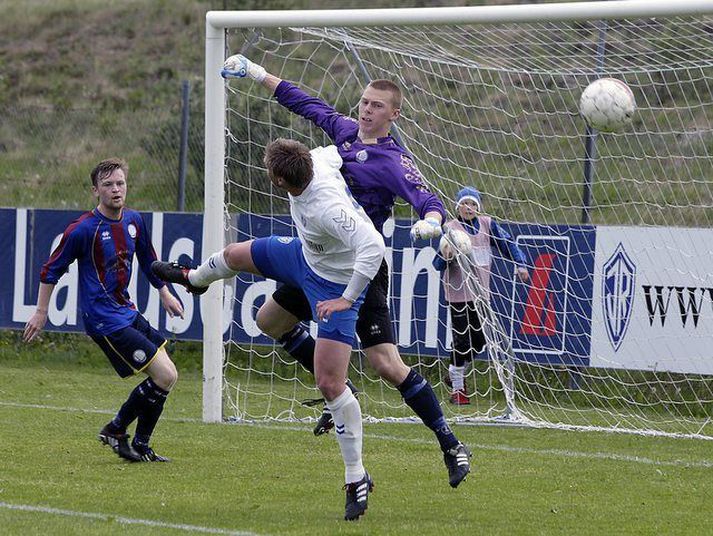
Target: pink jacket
[(456, 289)]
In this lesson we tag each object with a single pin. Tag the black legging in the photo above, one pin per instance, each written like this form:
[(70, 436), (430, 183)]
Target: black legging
[(468, 337)]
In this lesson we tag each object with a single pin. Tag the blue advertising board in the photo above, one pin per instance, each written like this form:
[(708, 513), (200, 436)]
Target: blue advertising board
[(548, 319)]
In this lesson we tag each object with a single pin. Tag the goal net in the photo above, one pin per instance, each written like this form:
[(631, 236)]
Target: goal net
[(613, 328)]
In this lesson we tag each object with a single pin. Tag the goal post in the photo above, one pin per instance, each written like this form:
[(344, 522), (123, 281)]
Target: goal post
[(491, 98), (213, 221)]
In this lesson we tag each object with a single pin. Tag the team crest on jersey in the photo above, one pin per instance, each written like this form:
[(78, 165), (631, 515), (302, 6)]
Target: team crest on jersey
[(106, 235), (139, 356), (131, 228), (285, 239), (362, 156)]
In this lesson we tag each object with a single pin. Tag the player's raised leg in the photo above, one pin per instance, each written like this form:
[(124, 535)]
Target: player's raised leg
[(224, 264)]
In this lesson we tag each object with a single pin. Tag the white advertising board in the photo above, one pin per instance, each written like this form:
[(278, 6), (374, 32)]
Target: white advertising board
[(653, 299)]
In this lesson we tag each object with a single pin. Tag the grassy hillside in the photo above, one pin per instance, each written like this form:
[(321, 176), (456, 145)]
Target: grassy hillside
[(81, 80), (84, 79)]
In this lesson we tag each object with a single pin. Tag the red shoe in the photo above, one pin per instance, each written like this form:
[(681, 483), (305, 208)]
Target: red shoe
[(459, 398)]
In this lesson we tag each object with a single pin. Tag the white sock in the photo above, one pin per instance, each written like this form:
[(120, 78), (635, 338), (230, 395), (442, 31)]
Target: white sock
[(211, 270), (456, 374), (346, 413)]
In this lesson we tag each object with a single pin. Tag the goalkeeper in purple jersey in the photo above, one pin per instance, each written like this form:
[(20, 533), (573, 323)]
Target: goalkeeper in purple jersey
[(377, 170), (103, 241)]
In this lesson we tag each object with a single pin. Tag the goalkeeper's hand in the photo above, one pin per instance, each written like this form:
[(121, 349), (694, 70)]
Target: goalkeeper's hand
[(238, 66), (426, 229)]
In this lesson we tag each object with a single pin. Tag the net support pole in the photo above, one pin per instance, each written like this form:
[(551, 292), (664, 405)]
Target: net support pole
[(212, 301), (590, 156), (590, 144), (183, 150)]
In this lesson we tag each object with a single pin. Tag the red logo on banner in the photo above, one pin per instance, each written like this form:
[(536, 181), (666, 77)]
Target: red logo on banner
[(540, 315)]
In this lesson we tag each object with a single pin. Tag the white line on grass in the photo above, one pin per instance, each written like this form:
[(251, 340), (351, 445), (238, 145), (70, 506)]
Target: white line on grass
[(705, 464), (123, 520)]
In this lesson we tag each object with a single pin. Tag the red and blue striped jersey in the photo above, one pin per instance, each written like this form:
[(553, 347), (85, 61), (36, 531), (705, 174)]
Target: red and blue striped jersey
[(104, 249)]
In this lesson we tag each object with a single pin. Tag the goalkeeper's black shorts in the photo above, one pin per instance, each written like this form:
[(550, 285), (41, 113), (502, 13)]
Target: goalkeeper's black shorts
[(374, 321)]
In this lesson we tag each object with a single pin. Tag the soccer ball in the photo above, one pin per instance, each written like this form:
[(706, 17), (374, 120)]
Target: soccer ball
[(457, 238), (607, 104)]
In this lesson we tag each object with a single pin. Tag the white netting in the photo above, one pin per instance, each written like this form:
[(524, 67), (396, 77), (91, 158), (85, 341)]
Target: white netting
[(496, 107)]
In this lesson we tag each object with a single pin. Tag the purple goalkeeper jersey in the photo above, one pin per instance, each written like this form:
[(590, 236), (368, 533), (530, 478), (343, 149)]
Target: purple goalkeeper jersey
[(376, 173), (104, 249)]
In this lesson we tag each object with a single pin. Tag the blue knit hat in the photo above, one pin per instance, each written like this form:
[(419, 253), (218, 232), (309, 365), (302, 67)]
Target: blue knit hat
[(469, 193)]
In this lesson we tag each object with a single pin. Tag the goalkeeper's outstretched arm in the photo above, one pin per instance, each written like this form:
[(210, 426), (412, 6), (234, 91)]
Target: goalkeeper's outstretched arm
[(238, 66)]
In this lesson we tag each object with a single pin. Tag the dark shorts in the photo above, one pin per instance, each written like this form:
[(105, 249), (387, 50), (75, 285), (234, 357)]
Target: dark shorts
[(131, 349), (374, 320)]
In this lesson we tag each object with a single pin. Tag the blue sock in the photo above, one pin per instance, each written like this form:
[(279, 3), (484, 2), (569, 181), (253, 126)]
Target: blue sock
[(299, 344), (419, 396)]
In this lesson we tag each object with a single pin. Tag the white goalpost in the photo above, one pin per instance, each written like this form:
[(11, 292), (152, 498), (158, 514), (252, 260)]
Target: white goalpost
[(613, 329)]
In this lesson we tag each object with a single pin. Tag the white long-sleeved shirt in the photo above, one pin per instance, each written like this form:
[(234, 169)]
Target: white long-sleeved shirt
[(337, 236)]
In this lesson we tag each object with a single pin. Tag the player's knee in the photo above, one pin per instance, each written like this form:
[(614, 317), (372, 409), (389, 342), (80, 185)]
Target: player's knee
[(387, 363), (164, 373), (383, 368), (267, 324), (273, 320), (172, 377), (237, 255), (330, 388), (230, 253)]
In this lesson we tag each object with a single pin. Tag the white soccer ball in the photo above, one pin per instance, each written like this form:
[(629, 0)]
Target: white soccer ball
[(454, 240), (607, 104)]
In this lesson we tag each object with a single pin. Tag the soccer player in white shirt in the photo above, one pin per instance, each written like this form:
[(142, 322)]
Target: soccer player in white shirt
[(337, 254)]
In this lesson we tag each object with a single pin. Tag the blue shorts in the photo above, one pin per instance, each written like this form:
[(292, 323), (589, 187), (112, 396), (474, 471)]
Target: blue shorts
[(131, 349), (280, 258)]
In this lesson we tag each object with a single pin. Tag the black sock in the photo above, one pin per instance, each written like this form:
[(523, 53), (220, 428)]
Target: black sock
[(129, 410), (154, 399), (299, 344), (419, 396)]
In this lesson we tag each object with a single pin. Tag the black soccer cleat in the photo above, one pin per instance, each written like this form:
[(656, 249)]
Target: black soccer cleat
[(457, 461), (119, 442), (357, 497), (174, 272), (325, 422), (147, 454)]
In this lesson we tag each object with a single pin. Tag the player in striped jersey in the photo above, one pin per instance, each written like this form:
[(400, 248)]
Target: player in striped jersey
[(103, 241)]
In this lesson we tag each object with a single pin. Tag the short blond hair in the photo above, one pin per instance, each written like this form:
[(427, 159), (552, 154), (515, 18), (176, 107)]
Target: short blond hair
[(387, 85)]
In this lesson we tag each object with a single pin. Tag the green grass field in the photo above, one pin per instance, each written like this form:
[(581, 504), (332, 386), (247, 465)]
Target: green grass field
[(272, 478)]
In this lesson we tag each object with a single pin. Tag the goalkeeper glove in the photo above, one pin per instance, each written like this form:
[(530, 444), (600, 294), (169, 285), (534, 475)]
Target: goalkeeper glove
[(426, 229), (238, 66)]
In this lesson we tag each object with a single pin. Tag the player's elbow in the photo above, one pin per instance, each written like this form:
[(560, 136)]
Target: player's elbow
[(380, 248), (373, 257)]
